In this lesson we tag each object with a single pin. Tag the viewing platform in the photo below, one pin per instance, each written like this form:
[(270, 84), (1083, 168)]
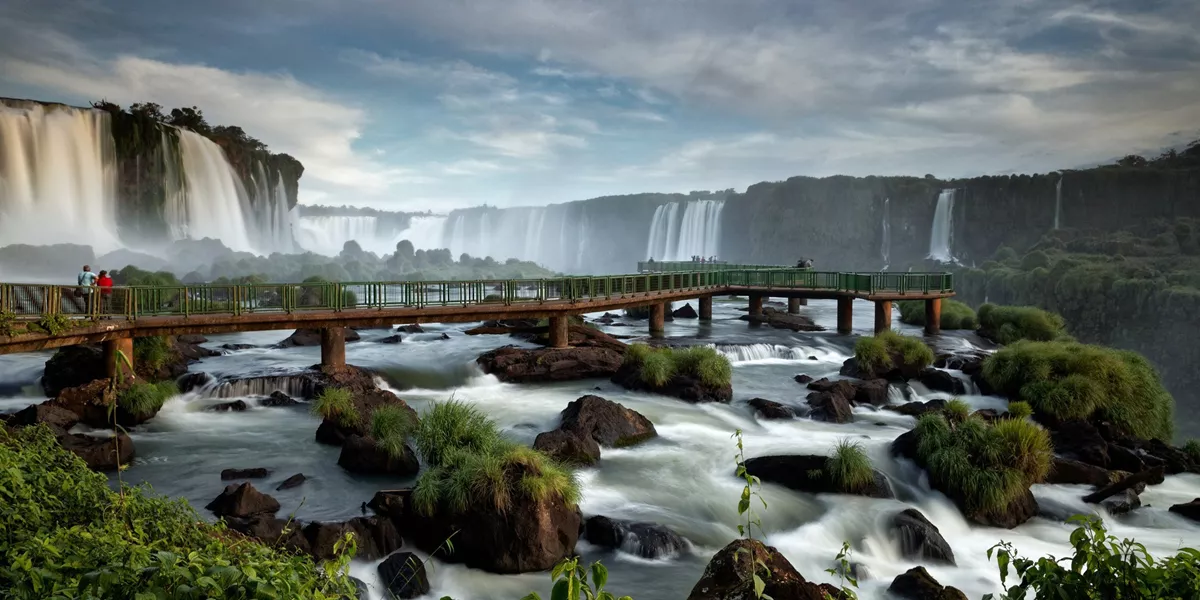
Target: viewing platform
[(41, 316)]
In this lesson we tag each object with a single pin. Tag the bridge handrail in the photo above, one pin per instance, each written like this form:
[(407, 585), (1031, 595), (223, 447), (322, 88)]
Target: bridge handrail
[(32, 301)]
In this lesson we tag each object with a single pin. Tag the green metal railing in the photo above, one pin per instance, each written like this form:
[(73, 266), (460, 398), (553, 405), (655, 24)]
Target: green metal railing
[(676, 266), (31, 301)]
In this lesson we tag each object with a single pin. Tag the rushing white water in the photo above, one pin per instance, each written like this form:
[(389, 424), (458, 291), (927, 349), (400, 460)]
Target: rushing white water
[(57, 176), (696, 233), (885, 243), (941, 234), (215, 204), (425, 232), (1058, 202), (328, 234)]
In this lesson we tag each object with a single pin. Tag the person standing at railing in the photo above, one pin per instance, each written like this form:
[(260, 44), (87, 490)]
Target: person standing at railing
[(105, 283), (86, 280)]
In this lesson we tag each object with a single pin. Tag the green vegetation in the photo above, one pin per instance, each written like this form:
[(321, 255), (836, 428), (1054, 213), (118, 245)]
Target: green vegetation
[(955, 314), (66, 534), (151, 353), (1020, 410), (957, 411), (658, 365), (1192, 447), (55, 324), (470, 464), (143, 399), (1008, 324), (879, 354), (390, 426), (132, 275), (1069, 380), (8, 324), (745, 509), (986, 467), (571, 582), (1103, 568), (849, 467), (337, 405)]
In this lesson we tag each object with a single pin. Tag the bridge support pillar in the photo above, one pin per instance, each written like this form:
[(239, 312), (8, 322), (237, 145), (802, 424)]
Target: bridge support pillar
[(333, 347), (883, 316), (933, 316), (658, 315), (756, 305), (706, 308), (845, 315), (114, 367), (559, 336), (794, 306)]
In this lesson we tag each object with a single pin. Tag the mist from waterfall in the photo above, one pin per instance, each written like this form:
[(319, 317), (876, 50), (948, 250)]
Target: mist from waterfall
[(941, 234), (215, 204), (1058, 202), (328, 234), (554, 236), (697, 232), (885, 244), (57, 177)]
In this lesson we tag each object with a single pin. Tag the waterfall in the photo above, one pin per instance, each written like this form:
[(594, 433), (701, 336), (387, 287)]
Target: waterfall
[(941, 235), (215, 203), (57, 176), (1058, 202), (696, 233), (328, 234), (425, 232), (885, 244)]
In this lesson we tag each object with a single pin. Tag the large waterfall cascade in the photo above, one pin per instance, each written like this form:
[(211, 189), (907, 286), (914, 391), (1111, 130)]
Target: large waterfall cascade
[(57, 177), (1058, 202), (885, 242), (941, 235), (328, 234), (695, 232), (215, 203)]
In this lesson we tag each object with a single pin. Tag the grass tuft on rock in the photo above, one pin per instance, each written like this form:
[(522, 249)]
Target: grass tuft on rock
[(849, 467), (1192, 448), (336, 405), (1009, 324), (151, 352), (657, 366), (957, 411), (144, 398), (1019, 410), (390, 426), (878, 354), (1069, 380), (986, 467), (955, 314)]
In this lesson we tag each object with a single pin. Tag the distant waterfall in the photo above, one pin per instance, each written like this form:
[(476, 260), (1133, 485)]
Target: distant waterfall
[(425, 232), (57, 176), (885, 243), (215, 203), (1058, 202), (696, 233), (941, 235), (328, 234)]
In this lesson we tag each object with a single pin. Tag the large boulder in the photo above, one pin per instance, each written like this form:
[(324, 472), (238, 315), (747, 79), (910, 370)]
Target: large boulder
[(72, 366), (683, 386), (312, 337), (872, 391), (250, 473), (375, 537), (941, 381), (362, 455), (243, 501), (568, 447), (521, 365), (771, 410), (686, 312), (918, 538), (647, 540), (1066, 470), (783, 320), (100, 453), (92, 401), (403, 574), (728, 575), (1081, 441), (46, 412), (1188, 510), (918, 584), (282, 533), (607, 422), (830, 406), (807, 473), (365, 395)]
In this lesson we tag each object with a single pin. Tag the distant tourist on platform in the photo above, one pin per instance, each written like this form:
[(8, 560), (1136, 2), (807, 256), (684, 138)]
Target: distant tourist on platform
[(105, 283)]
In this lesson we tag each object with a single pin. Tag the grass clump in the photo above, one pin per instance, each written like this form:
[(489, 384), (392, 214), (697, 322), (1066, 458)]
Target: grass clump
[(390, 426), (957, 411), (144, 399), (955, 314), (849, 467), (889, 350), (984, 467), (336, 405), (657, 366), (472, 465), (1069, 380), (151, 352), (1019, 410), (66, 534), (1009, 324), (1192, 448)]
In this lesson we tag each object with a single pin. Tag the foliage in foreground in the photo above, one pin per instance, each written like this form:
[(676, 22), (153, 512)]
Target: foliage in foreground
[(658, 365), (1008, 324), (1103, 568), (571, 582), (65, 534), (151, 352), (877, 354), (849, 467), (955, 314), (337, 405), (985, 466), (143, 398), (1069, 380), (470, 464)]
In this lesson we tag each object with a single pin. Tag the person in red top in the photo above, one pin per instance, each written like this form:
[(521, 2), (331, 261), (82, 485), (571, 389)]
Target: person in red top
[(105, 283)]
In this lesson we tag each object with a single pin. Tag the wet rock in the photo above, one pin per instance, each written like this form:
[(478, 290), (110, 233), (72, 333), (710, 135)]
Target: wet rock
[(916, 409), (375, 537), (568, 447), (251, 473), (1122, 502), (684, 387), (647, 540), (520, 365), (841, 387), (918, 584), (72, 366), (779, 319), (1081, 441), (1017, 512), (46, 412), (403, 574), (808, 473), (190, 352), (1068, 471), (905, 445), (444, 336), (1188, 510), (361, 590), (606, 422), (312, 337), (830, 406), (686, 312), (771, 410), (1121, 458), (193, 381), (192, 339), (234, 406), (278, 398), (873, 392), (414, 328), (272, 532), (919, 539), (291, 482), (93, 400), (242, 501), (727, 576), (238, 347), (365, 395), (941, 381), (362, 455), (100, 453), (803, 379), (391, 339)]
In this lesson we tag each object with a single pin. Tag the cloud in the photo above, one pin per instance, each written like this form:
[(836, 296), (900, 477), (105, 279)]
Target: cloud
[(444, 73)]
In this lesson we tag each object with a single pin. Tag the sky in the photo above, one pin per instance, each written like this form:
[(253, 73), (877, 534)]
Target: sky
[(421, 105)]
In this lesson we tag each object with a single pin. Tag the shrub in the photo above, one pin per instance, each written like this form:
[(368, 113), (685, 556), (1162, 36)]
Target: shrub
[(1019, 410), (1069, 380), (337, 405), (1192, 448), (1008, 324), (985, 467), (849, 467), (957, 411), (151, 352), (871, 354), (143, 398), (67, 535), (878, 354), (1035, 259), (656, 366), (955, 314), (390, 426), (470, 464)]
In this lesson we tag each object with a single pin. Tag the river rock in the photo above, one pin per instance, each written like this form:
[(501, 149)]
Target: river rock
[(1188, 510), (918, 584), (916, 409), (414, 328), (1068, 471), (830, 406), (686, 312), (771, 410), (291, 482), (278, 398), (312, 337), (376, 537), (272, 532), (391, 339), (365, 395), (919, 539), (1121, 458), (941, 381), (684, 387), (568, 447), (607, 422), (647, 540), (803, 379), (190, 351), (362, 455), (242, 501), (1081, 441), (251, 473), (403, 574), (807, 473), (783, 320), (46, 412), (727, 576), (91, 402), (100, 453), (521, 365), (72, 366), (233, 406), (873, 392), (1122, 502), (237, 347)]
